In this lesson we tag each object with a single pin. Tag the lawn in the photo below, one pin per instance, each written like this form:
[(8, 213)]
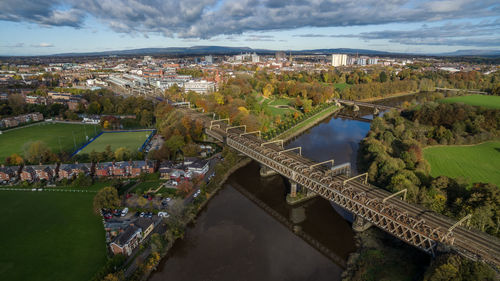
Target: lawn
[(341, 86), (273, 105), (58, 136), (478, 163), (130, 140), (49, 236), (476, 100), (142, 187)]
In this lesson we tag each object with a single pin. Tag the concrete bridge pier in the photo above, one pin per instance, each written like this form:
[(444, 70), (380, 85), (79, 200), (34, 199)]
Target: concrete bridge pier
[(266, 171), (359, 224), (293, 189)]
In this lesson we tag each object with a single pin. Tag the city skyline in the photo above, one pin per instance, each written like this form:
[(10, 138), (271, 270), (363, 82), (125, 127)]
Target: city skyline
[(405, 26)]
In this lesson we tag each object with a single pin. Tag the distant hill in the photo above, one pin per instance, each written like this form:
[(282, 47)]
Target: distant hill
[(218, 50), (222, 50), (480, 53)]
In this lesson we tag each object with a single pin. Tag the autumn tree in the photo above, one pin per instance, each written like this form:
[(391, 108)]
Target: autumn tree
[(106, 198), (122, 154)]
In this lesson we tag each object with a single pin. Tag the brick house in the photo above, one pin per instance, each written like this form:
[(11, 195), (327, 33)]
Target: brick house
[(28, 174), (68, 171), (45, 172), (126, 241), (8, 173), (119, 169), (103, 169)]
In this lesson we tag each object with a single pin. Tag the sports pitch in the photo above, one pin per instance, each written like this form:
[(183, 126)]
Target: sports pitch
[(130, 140), (58, 136), (50, 236)]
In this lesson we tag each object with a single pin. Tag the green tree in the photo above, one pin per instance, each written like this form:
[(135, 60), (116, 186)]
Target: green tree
[(106, 198), (122, 154)]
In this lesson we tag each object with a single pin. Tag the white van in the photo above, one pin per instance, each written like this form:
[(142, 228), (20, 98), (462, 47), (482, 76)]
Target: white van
[(124, 212)]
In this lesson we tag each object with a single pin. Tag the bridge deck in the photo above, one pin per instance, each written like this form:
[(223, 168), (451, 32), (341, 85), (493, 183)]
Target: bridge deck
[(411, 223)]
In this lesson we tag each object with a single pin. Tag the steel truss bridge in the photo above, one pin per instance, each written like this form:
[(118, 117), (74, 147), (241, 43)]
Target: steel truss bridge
[(411, 223)]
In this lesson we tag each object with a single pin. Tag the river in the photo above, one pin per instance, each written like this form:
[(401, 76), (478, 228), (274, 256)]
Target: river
[(249, 232)]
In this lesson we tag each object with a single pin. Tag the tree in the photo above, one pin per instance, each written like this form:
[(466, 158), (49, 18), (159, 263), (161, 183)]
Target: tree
[(106, 198), (122, 154), (382, 77), (185, 188), (16, 102), (37, 152), (82, 180), (146, 118), (14, 159), (268, 90), (174, 143)]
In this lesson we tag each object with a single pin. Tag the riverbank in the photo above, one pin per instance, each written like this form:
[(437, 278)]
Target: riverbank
[(175, 229), (307, 124), (381, 256), (389, 96)]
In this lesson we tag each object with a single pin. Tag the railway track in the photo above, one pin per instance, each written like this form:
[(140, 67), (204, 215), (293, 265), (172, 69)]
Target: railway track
[(470, 243)]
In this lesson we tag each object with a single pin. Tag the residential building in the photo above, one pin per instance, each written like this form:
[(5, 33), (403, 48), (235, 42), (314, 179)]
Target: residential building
[(8, 173), (44, 172), (199, 167), (126, 241), (339, 60), (28, 174), (146, 225), (103, 169), (68, 171), (255, 58), (200, 87)]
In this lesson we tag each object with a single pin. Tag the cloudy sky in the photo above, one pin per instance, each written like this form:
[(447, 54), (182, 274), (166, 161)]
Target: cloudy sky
[(32, 27)]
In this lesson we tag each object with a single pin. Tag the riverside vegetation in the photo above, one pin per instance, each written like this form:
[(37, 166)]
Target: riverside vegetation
[(392, 154)]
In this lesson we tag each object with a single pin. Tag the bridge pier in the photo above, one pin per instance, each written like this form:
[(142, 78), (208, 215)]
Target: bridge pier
[(297, 195), (293, 189), (359, 224), (266, 171)]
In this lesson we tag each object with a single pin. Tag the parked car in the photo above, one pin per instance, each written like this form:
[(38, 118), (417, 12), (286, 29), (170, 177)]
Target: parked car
[(163, 214), (197, 193), (137, 214), (142, 215), (124, 212), (107, 216)]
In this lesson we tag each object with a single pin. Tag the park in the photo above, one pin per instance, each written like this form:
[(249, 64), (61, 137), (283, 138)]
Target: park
[(476, 100), (476, 163)]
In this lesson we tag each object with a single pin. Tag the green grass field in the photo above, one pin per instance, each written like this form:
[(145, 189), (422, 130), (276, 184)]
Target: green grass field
[(341, 86), (478, 163), (58, 136), (273, 105), (131, 140), (49, 236), (476, 100), (142, 187)]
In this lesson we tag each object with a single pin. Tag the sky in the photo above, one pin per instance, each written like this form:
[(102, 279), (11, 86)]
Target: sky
[(43, 27)]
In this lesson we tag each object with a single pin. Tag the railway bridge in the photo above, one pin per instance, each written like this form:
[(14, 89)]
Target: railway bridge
[(411, 223)]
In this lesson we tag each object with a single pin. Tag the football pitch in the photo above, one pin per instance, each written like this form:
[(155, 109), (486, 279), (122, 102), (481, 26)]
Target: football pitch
[(58, 136), (50, 236), (130, 140)]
